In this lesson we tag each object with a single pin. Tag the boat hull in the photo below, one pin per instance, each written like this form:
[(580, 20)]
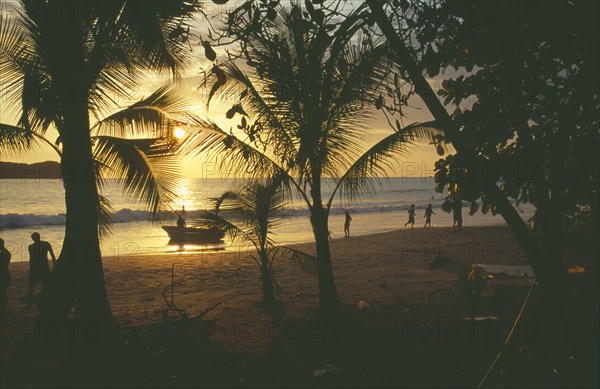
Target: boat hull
[(191, 234)]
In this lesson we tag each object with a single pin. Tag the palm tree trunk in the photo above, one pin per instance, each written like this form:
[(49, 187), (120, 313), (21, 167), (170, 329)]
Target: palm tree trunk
[(78, 279), (329, 300), (267, 279), (527, 242)]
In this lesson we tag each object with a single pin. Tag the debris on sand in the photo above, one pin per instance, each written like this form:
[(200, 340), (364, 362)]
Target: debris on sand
[(440, 261), (576, 270), (363, 305), (327, 370)]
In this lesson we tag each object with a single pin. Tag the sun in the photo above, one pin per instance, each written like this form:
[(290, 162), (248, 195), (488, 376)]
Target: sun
[(179, 133)]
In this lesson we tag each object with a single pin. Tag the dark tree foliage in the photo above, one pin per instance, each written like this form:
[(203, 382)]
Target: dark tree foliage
[(526, 101)]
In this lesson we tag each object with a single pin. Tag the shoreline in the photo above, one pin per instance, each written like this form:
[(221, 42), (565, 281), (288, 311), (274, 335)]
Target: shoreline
[(373, 238), (120, 242)]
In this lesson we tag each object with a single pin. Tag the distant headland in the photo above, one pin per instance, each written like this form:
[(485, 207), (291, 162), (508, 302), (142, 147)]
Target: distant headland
[(36, 171)]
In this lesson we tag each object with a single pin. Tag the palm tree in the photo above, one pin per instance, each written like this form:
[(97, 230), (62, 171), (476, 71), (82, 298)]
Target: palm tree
[(305, 104), (64, 62), (248, 214)]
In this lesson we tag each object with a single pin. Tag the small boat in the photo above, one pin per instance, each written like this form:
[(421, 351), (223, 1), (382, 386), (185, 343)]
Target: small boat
[(194, 234)]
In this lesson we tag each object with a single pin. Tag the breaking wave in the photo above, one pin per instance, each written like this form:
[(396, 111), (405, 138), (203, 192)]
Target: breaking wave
[(126, 215)]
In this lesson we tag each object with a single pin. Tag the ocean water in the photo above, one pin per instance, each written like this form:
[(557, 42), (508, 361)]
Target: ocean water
[(38, 205)]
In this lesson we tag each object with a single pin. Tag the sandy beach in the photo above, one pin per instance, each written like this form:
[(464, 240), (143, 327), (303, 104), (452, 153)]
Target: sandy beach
[(379, 269), (404, 319)]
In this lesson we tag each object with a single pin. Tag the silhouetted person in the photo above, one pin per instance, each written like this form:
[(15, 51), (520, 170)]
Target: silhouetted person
[(181, 224), (38, 262), (428, 213), (457, 213), (347, 223), (411, 216), (4, 275)]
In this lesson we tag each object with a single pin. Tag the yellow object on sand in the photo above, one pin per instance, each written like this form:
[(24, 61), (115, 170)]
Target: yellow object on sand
[(576, 269)]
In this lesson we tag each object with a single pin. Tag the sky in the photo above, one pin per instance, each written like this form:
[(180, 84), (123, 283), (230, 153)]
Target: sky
[(419, 162)]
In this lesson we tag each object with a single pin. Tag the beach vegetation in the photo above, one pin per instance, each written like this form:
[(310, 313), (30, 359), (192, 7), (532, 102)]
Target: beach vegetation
[(304, 101), (249, 213)]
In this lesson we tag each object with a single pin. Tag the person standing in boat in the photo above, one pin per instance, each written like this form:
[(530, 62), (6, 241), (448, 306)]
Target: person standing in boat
[(181, 223)]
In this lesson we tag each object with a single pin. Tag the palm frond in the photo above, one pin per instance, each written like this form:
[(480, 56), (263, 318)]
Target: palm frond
[(236, 232), (308, 91), (268, 105), (39, 102), (235, 155), (264, 203), (17, 50), (306, 262), (116, 81), (145, 168), (104, 217), (26, 88), (128, 37), (364, 174), (155, 115), (255, 207), (15, 140), (353, 81), (157, 31)]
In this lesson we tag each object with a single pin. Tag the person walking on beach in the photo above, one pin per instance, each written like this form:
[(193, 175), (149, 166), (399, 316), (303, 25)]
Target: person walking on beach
[(428, 213), (411, 216), (38, 263), (4, 276), (347, 224), (457, 213)]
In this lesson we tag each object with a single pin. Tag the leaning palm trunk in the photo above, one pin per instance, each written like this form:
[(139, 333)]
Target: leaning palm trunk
[(548, 271)]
